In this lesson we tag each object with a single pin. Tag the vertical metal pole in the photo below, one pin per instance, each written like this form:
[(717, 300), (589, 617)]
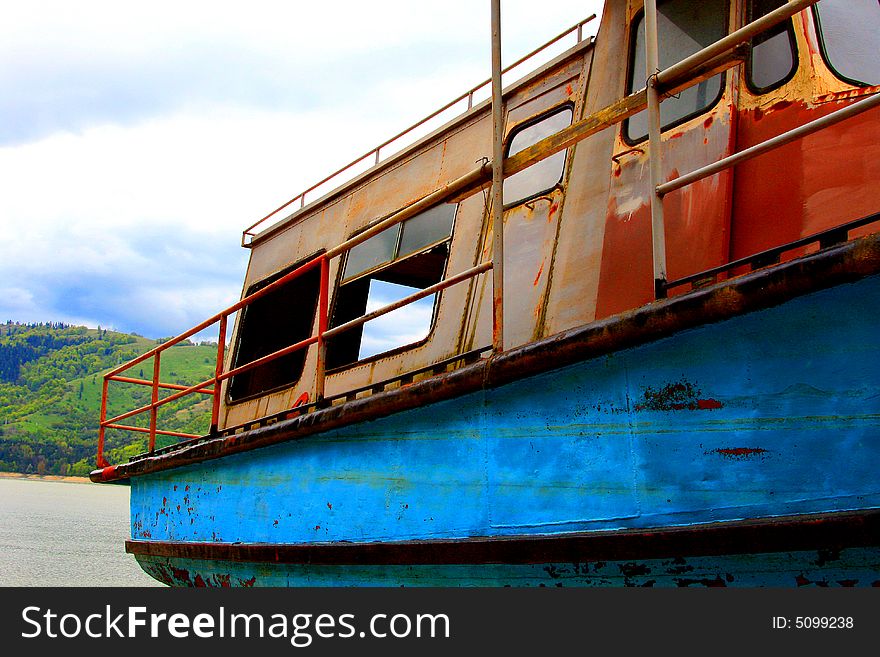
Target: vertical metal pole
[(102, 462), (497, 184), (323, 305), (218, 370), (155, 398), (652, 67)]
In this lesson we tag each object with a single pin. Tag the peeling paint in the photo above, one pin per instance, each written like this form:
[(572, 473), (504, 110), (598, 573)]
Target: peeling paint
[(678, 396), (740, 452)]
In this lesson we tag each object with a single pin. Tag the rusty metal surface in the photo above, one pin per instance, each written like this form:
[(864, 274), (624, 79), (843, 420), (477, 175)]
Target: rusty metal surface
[(590, 258), (762, 289)]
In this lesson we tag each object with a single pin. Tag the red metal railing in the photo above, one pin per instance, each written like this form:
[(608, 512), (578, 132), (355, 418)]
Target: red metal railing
[(213, 386)]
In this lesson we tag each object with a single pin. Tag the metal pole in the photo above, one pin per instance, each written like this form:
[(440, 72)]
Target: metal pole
[(102, 462), (323, 306), (652, 67), (154, 399), (497, 184), (218, 370)]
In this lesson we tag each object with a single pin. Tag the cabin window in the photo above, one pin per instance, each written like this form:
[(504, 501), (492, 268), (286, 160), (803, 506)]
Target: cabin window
[(546, 174), (684, 28), (849, 31), (389, 266), (279, 319), (773, 58)]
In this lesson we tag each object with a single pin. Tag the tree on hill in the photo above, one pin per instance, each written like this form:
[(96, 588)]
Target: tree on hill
[(49, 420)]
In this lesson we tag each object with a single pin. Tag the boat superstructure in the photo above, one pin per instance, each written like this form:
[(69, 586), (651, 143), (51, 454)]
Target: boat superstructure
[(646, 358)]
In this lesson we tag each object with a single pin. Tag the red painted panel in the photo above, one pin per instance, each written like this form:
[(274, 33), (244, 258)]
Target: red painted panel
[(816, 183)]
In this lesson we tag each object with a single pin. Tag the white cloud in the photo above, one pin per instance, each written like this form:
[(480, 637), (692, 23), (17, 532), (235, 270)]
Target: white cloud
[(141, 138)]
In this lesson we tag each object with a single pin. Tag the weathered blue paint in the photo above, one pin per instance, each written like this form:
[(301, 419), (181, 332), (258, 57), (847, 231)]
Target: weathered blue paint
[(772, 413)]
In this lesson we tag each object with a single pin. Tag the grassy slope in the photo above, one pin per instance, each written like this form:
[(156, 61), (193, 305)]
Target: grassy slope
[(71, 418)]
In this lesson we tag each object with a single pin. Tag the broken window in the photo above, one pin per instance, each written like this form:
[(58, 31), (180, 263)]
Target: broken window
[(545, 174), (683, 28), (281, 318), (387, 267)]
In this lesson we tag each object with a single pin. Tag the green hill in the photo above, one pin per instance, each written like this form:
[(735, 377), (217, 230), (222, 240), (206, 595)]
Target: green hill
[(50, 395)]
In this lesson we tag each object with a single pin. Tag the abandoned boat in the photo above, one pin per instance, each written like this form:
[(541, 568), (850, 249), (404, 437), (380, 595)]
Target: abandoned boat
[(633, 299)]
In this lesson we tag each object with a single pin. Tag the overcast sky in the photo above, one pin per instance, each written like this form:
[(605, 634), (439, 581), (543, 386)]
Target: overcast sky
[(137, 140)]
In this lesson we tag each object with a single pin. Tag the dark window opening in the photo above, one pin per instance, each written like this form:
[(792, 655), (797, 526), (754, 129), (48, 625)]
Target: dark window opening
[(544, 175), (849, 32), (684, 27), (387, 267), (279, 319), (773, 58)]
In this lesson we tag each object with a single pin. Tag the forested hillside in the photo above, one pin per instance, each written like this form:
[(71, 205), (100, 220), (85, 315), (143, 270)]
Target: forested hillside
[(50, 394)]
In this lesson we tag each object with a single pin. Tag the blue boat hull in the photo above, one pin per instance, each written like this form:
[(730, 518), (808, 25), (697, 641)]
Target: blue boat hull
[(772, 413)]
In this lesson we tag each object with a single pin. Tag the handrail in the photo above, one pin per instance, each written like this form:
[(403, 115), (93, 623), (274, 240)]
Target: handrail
[(375, 152), (729, 42), (770, 144), (319, 338)]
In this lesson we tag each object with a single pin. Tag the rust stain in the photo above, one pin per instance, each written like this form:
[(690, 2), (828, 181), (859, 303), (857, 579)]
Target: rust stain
[(847, 94), (759, 113), (538, 277), (711, 583), (568, 89), (803, 581), (740, 452), (180, 574), (708, 122), (679, 396)]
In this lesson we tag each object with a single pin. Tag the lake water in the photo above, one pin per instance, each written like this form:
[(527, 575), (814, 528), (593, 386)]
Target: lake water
[(61, 533)]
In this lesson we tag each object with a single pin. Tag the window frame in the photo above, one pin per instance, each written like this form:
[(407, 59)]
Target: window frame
[(240, 328), (795, 56), (638, 17), (525, 125), (820, 37), (340, 283)]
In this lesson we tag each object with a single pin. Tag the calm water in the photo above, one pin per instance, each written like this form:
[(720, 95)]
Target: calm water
[(56, 533)]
